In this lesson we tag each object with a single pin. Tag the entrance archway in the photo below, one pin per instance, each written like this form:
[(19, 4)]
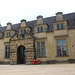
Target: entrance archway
[(21, 55)]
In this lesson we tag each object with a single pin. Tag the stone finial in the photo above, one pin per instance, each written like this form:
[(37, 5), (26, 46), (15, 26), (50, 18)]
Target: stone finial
[(8, 26), (39, 16), (9, 23), (23, 23), (23, 20), (59, 16), (40, 20), (59, 13)]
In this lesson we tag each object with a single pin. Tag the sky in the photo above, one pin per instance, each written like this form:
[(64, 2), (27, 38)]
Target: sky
[(15, 10)]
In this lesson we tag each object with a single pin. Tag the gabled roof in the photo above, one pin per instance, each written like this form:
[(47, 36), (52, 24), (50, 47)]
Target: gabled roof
[(49, 20)]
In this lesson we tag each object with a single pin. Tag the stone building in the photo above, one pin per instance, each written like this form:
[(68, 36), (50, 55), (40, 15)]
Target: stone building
[(52, 40)]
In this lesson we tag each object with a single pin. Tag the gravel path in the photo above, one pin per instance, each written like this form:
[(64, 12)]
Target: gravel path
[(51, 69)]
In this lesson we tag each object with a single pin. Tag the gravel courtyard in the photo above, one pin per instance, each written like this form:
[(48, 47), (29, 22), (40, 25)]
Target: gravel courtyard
[(50, 69)]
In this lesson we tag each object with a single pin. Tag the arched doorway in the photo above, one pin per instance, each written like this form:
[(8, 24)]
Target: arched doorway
[(21, 55)]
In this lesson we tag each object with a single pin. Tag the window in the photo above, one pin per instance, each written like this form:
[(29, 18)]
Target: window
[(58, 27), (62, 27), (8, 34), (41, 29), (38, 30), (61, 48), (24, 31), (21, 31), (7, 51), (40, 49)]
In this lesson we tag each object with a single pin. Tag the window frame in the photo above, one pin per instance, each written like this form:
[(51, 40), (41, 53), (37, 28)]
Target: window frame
[(41, 29), (7, 51), (61, 47), (38, 29), (8, 34), (60, 26), (40, 48)]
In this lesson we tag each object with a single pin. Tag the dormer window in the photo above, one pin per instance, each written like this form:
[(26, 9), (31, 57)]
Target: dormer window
[(8, 34), (41, 29), (38, 30), (24, 31), (60, 26), (21, 31)]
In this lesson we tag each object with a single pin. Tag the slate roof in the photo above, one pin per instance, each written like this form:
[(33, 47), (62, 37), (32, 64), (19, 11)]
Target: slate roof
[(49, 20)]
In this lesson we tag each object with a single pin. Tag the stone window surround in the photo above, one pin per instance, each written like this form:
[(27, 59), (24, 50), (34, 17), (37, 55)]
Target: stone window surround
[(40, 48), (61, 26), (62, 38), (7, 50)]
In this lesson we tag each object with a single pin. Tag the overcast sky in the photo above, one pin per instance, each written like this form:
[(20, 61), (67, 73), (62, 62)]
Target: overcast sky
[(15, 10)]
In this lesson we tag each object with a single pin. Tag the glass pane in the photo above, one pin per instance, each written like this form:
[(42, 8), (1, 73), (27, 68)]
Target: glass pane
[(59, 51), (6, 54), (9, 54), (24, 31), (21, 31), (63, 42), (41, 29), (9, 47), (43, 52), (62, 26), (58, 42), (38, 44), (42, 44), (6, 48), (64, 51), (38, 29), (58, 27), (9, 34), (38, 52)]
